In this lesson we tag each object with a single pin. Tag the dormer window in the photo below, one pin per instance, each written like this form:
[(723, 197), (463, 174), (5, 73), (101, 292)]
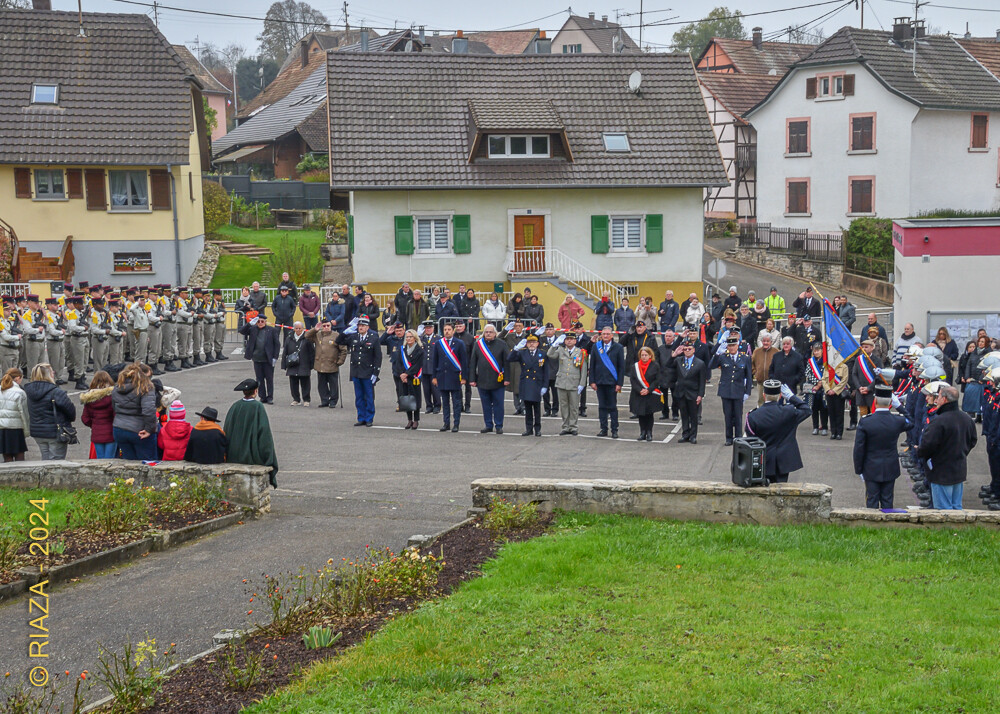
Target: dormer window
[(515, 146), (616, 143), (45, 94)]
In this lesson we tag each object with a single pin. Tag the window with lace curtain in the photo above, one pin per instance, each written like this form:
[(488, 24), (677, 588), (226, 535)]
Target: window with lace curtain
[(129, 190)]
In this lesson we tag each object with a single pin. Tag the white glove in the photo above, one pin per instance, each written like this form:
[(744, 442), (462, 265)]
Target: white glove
[(544, 390), (930, 465), (721, 348), (579, 389), (745, 397), (540, 331), (509, 326), (274, 362), (521, 345), (559, 340), (255, 321), (786, 392), (878, 371), (895, 402), (374, 379)]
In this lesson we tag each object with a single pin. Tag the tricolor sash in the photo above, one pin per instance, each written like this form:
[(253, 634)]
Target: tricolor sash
[(866, 369), (816, 370), (603, 352), (452, 357), (642, 380), (406, 363), (490, 358)]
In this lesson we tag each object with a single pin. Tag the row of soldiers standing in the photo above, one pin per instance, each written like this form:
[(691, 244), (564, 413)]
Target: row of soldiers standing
[(95, 326)]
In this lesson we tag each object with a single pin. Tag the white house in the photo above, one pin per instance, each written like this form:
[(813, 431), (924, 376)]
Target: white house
[(582, 170), (588, 35), (871, 125)]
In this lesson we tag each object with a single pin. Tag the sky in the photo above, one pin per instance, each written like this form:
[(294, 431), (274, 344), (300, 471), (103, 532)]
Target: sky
[(982, 16)]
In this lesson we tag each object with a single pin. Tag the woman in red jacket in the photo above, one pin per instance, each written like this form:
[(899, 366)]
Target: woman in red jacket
[(99, 415), (173, 438)]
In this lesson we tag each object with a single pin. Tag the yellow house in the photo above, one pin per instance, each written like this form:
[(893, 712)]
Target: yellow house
[(102, 151)]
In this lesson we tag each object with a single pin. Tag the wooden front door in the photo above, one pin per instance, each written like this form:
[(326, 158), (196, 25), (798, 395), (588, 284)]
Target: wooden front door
[(529, 244)]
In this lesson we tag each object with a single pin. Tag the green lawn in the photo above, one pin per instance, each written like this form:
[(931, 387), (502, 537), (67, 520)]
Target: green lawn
[(616, 614), (14, 503), (235, 271)]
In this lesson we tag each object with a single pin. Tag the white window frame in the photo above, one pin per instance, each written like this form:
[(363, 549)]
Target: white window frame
[(626, 250), (608, 134), (39, 85), (39, 196), (432, 216), (528, 139)]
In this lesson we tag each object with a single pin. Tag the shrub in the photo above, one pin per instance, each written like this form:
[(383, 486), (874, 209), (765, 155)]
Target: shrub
[(324, 219), (245, 676), (135, 676), (317, 176), (301, 262), (312, 162), (871, 237), (190, 493), (118, 509), (504, 517), (216, 206), (11, 539)]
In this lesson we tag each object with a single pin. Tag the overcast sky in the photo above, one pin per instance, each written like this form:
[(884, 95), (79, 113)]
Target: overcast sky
[(184, 28)]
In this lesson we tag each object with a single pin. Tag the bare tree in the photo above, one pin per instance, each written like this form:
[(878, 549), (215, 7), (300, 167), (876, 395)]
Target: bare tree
[(231, 54), (285, 24), (15, 4), (209, 55)]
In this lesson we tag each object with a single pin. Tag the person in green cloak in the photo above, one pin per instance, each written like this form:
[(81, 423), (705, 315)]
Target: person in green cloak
[(249, 432)]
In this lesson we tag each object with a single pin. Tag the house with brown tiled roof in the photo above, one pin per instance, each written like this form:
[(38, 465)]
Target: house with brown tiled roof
[(572, 173), (735, 75), (214, 91), (104, 143), (589, 35)]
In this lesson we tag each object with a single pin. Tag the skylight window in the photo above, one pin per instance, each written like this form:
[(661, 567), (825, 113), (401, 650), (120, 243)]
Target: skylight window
[(45, 94), (616, 142)]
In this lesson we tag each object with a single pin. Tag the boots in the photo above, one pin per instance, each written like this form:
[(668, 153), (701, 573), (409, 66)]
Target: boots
[(209, 359), (156, 369), (186, 364), (197, 361), (219, 357), (170, 366), (81, 383)]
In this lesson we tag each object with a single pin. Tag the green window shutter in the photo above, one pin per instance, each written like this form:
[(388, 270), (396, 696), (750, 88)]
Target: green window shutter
[(404, 235), (350, 234), (600, 241), (461, 234), (654, 233)]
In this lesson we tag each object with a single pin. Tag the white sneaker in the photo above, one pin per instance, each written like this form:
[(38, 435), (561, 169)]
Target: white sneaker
[(295, 404), (305, 404)]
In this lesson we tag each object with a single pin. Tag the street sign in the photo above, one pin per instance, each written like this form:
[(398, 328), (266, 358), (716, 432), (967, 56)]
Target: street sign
[(717, 269)]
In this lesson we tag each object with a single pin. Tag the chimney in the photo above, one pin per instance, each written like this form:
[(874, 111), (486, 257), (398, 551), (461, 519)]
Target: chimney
[(543, 45), (422, 35), (919, 29), (604, 19), (42, 4), (758, 39), (902, 31), (459, 44), (998, 35), (590, 15), (364, 39), (304, 52)]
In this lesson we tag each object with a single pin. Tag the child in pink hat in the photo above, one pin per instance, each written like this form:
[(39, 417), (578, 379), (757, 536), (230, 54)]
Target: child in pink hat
[(173, 437)]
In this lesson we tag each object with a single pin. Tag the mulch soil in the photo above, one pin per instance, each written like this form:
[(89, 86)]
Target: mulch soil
[(200, 687), (79, 542)]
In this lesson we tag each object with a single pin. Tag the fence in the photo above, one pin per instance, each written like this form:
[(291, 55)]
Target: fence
[(865, 266), (294, 195), (794, 241)]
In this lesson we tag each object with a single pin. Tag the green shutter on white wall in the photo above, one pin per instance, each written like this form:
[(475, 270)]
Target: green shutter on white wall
[(654, 233), (350, 234), (404, 235), (600, 241), (461, 229)]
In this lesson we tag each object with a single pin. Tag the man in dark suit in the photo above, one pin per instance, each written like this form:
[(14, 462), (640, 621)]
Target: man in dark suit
[(876, 459), (735, 383), (484, 376), (534, 382), (689, 388), (607, 372), (668, 371), (366, 361), (262, 348), (806, 335), (788, 366), (807, 304), (432, 397), (776, 423), (449, 364)]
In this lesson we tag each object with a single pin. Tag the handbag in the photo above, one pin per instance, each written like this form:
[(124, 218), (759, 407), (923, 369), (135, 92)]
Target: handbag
[(292, 359), (65, 433), (408, 403)]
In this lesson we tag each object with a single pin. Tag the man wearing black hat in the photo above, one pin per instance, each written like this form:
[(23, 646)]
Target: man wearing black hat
[(76, 355), (366, 362), (776, 423), (100, 332), (200, 310), (218, 312), (689, 388), (249, 431), (55, 336), (207, 443), (154, 314), (184, 320), (432, 397), (263, 347), (876, 459), (468, 338), (534, 381), (10, 336), (735, 383), (33, 328)]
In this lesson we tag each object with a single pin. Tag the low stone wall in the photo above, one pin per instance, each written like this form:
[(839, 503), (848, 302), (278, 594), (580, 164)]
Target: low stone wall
[(778, 504), (922, 518), (877, 289), (243, 484), (821, 271)]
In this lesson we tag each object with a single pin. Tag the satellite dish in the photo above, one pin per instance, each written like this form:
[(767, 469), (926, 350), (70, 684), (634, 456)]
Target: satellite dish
[(409, 46), (635, 81)]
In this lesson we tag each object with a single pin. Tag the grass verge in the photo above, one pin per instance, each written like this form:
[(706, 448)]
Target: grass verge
[(15, 504), (623, 614)]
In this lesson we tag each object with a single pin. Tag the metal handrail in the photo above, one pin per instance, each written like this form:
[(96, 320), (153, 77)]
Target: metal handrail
[(525, 262)]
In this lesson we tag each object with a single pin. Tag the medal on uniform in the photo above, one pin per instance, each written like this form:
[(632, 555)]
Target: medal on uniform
[(490, 358)]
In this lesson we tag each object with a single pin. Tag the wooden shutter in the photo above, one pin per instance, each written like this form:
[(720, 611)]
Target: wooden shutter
[(600, 240), (93, 179), (861, 196), (654, 233), (22, 182), (848, 85), (159, 193), (461, 231), (980, 123), (74, 183), (798, 200), (404, 235), (811, 88), (350, 234)]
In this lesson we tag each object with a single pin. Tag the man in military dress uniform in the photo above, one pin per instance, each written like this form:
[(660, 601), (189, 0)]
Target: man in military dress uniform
[(55, 336), (154, 313), (449, 364), (138, 324), (10, 336), (776, 423), (219, 326), (876, 459), (99, 332), (735, 383), (534, 382), (432, 397), (198, 307), (117, 330), (33, 329), (168, 347), (184, 317), (366, 361), (76, 356)]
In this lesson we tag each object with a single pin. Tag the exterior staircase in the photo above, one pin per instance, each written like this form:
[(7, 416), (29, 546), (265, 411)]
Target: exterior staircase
[(563, 271), (32, 265)]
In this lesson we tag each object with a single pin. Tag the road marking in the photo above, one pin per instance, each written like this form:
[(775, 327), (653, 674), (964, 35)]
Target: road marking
[(671, 435)]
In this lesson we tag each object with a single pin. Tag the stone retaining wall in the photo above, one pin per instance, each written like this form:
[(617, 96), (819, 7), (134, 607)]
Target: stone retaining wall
[(820, 271), (242, 484), (777, 504)]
